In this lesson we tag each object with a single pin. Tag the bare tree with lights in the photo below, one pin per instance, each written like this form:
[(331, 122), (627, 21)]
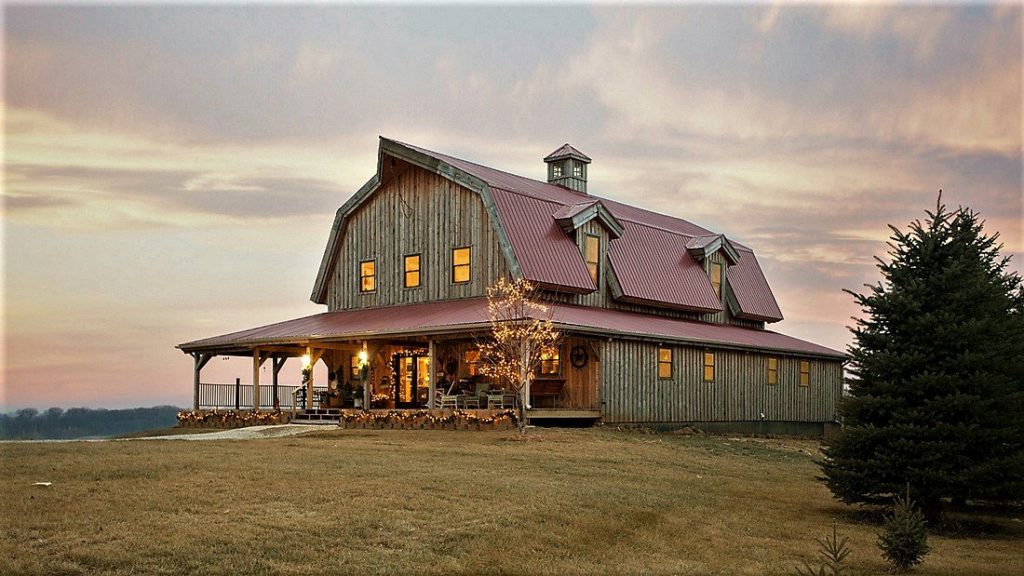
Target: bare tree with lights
[(521, 331)]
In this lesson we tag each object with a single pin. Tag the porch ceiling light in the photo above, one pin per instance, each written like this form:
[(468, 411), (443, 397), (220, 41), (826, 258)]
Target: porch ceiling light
[(305, 361)]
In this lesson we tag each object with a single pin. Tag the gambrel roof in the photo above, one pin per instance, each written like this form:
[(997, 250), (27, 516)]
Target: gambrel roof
[(650, 259)]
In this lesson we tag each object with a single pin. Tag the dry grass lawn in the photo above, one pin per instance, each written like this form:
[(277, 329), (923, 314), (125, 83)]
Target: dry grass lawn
[(431, 502)]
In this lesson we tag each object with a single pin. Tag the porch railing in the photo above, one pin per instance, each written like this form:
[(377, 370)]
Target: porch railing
[(238, 396)]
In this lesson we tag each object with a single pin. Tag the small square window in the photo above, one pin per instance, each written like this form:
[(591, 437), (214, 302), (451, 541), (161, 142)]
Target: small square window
[(664, 363), (577, 170), (460, 265), (556, 171), (709, 366), (550, 361), (367, 276), (412, 271)]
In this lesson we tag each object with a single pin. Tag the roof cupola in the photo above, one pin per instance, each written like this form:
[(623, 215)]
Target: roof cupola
[(567, 167)]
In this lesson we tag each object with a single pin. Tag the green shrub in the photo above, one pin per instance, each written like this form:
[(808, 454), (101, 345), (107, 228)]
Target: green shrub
[(904, 538)]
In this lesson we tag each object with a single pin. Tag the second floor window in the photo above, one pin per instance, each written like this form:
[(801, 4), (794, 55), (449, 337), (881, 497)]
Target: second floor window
[(709, 366), (412, 271), (367, 276), (550, 362), (592, 248), (805, 373), (716, 278), (460, 265), (773, 371)]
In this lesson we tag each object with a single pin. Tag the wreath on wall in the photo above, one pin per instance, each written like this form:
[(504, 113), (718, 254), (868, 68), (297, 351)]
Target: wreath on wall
[(578, 356)]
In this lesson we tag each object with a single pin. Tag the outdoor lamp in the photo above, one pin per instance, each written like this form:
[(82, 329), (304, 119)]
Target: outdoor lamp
[(363, 358), (305, 361)]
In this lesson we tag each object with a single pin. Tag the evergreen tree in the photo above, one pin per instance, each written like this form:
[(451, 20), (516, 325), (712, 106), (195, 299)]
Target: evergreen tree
[(937, 372)]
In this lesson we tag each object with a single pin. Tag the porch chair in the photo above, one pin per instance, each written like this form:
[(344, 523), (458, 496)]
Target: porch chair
[(471, 401), (447, 401), (496, 401)]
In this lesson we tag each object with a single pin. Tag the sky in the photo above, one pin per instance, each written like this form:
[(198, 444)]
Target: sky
[(172, 172)]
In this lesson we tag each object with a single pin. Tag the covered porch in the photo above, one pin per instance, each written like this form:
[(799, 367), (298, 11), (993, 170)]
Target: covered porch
[(381, 361)]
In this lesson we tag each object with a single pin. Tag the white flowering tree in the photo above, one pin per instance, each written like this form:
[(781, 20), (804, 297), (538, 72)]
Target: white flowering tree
[(521, 330)]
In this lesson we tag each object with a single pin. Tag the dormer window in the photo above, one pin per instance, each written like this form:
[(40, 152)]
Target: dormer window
[(592, 251), (556, 171), (716, 278)]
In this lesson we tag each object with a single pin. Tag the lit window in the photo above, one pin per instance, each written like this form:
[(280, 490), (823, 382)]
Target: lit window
[(709, 366), (664, 363), (412, 271), (773, 371), (354, 367), (577, 170), (716, 278), (592, 247), (473, 361), (550, 365), (460, 265), (805, 373), (367, 276), (556, 171)]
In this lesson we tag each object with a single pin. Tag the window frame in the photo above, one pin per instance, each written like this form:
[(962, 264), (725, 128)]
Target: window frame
[(556, 362), (556, 171), (363, 277), (354, 368), (706, 365), (717, 287), (468, 265), (472, 366), (670, 364), (805, 373), (773, 372), (577, 170), (418, 271), (596, 273)]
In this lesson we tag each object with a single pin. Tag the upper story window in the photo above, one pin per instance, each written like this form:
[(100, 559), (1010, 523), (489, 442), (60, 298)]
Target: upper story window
[(709, 366), (773, 370), (805, 373), (412, 271), (716, 278), (550, 362), (460, 265), (367, 276), (556, 171), (577, 170), (664, 363), (592, 250)]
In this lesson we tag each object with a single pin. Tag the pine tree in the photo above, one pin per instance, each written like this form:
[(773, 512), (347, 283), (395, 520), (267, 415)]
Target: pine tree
[(937, 372)]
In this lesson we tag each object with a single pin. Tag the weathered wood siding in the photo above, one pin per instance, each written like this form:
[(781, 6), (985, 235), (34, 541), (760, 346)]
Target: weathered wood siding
[(632, 392), (415, 212)]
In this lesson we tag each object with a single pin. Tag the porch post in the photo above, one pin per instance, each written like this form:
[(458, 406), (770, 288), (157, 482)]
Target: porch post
[(430, 373), (309, 383), (278, 363), (256, 378), (200, 360)]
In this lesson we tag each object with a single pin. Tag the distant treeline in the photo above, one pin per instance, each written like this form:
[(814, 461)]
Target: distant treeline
[(57, 423)]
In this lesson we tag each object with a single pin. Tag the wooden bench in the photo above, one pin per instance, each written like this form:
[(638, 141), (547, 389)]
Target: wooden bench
[(546, 389)]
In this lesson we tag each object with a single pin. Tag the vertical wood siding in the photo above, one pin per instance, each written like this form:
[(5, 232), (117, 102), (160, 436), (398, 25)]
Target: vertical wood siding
[(632, 392), (416, 212)]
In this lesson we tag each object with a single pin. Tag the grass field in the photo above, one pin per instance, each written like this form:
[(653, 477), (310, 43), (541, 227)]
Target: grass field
[(374, 502)]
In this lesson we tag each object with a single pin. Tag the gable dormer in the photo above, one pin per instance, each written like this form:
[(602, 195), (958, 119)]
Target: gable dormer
[(572, 216), (567, 167), (712, 251)]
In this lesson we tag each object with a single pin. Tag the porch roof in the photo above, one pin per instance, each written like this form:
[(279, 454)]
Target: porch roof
[(470, 314)]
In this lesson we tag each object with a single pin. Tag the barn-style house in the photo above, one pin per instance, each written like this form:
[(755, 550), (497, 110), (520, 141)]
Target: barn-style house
[(663, 321)]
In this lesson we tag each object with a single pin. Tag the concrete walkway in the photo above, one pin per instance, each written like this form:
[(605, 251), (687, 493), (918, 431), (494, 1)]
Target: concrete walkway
[(247, 433)]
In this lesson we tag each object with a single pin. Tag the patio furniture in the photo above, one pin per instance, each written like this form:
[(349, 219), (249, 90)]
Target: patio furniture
[(470, 401), (496, 401), (447, 401)]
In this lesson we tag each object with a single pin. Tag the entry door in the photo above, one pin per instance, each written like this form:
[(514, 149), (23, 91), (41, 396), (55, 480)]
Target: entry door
[(412, 387)]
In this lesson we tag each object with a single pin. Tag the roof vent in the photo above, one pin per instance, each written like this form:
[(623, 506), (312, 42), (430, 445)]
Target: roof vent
[(567, 167)]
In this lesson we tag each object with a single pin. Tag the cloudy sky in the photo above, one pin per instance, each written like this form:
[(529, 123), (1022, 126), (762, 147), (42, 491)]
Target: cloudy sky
[(171, 173)]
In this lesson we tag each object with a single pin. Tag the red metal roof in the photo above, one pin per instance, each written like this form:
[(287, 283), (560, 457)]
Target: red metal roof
[(650, 259), (566, 150), (471, 314)]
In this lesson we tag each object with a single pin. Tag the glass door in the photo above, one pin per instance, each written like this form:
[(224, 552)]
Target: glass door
[(411, 389)]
